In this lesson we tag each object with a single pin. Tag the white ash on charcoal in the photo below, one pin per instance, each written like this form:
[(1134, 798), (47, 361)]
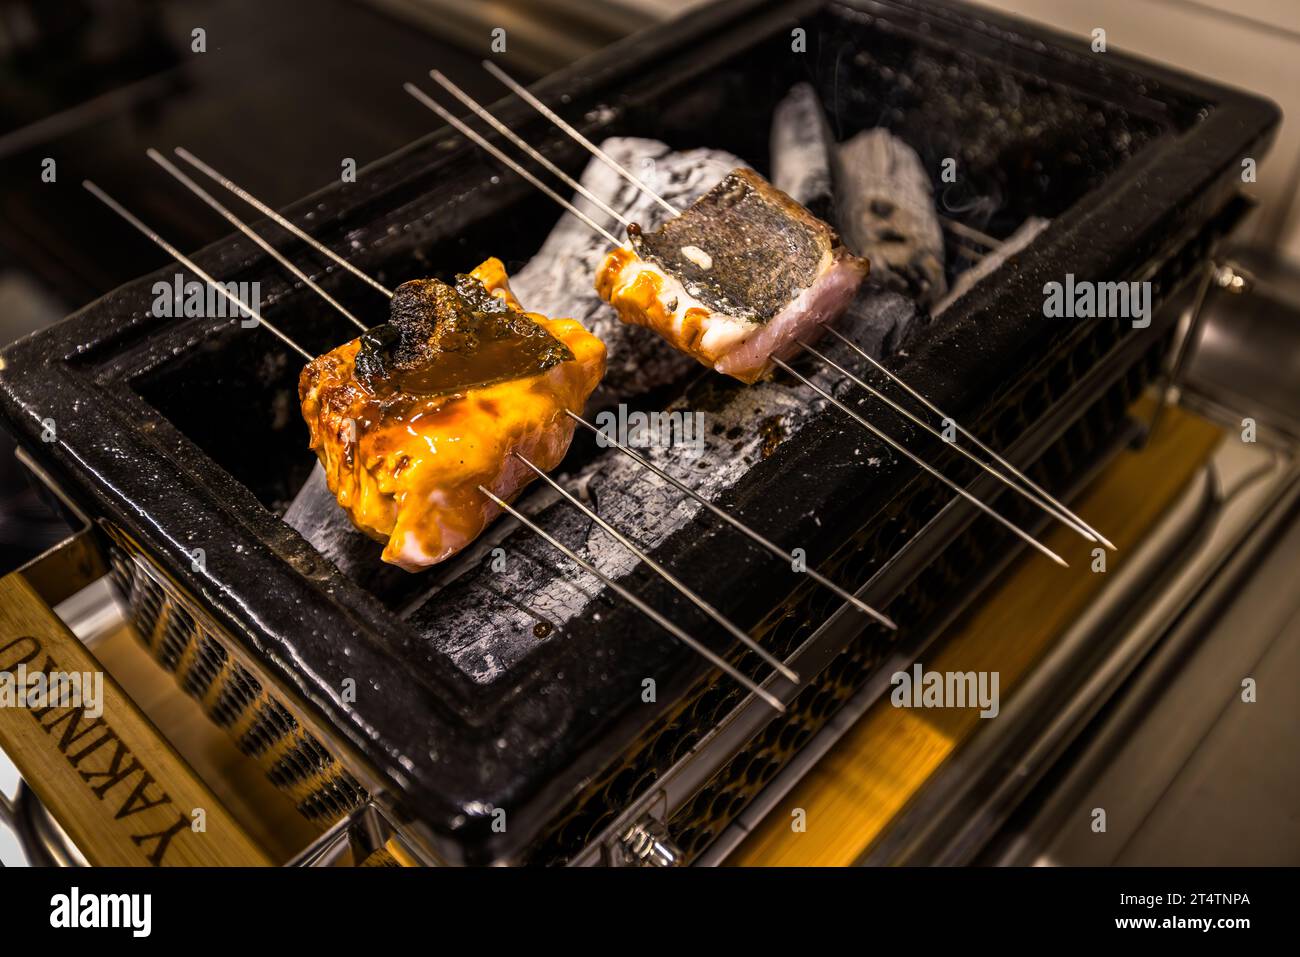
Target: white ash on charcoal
[(559, 280), (992, 262), (801, 149), (491, 618), (884, 208), (872, 188)]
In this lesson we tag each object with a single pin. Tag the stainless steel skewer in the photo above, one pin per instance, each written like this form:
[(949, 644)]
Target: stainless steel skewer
[(189, 264), (467, 131), (920, 462), (1060, 516), (1015, 472), (713, 658), (735, 630), (740, 526), (970, 234), (247, 230), (709, 609), (595, 151), (281, 221), (520, 142), (524, 94)]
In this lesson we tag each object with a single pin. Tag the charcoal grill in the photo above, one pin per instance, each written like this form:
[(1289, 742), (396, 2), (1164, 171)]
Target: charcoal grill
[(177, 435)]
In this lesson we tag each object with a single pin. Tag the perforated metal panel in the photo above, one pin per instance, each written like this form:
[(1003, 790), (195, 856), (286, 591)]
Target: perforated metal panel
[(700, 820), (259, 724)]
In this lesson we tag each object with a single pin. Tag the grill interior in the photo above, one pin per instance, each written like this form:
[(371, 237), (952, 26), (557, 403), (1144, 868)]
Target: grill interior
[(1025, 147), (194, 424)]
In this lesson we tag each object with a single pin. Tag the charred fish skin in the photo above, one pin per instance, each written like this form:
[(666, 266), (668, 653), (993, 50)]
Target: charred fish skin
[(444, 339), (409, 421), (734, 279), (741, 249), (557, 280)]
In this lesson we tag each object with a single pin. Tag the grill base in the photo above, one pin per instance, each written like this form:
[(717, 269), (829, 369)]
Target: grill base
[(1139, 159), (260, 725), (954, 578)]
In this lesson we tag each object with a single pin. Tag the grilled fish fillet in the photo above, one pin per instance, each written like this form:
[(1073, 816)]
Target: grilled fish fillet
[(735, 279), (411, 418)]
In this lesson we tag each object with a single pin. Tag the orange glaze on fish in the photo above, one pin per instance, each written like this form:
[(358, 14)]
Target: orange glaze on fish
[(406, 468), (639, 296)]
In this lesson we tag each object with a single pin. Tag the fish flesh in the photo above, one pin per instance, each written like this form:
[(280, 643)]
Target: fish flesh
[(411, 418), (735, 279)]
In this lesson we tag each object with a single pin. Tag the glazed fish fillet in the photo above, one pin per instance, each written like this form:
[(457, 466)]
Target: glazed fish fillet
[(412, 417), (734, 279)]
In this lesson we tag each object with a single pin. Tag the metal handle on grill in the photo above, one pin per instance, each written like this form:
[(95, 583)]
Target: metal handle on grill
[(647, 844), (102, 769)]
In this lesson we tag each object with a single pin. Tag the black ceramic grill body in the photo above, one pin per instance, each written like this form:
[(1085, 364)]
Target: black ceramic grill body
[(179, 435)]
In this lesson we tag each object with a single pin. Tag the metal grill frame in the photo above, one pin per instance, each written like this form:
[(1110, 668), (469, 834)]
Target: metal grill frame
[(1083, 424), (1137, 225), (187, 642)]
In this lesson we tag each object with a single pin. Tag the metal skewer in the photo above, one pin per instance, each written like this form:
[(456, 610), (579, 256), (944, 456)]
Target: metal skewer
[(695, 599), (424, 98), (957, 227), (970, 234), (519, 141), (189, 264), (920, 462), (1065, 519), (1015, 472), (523, 93), (709, 609), (266, 210), (740, 526), (713, 658), (244, 228)]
